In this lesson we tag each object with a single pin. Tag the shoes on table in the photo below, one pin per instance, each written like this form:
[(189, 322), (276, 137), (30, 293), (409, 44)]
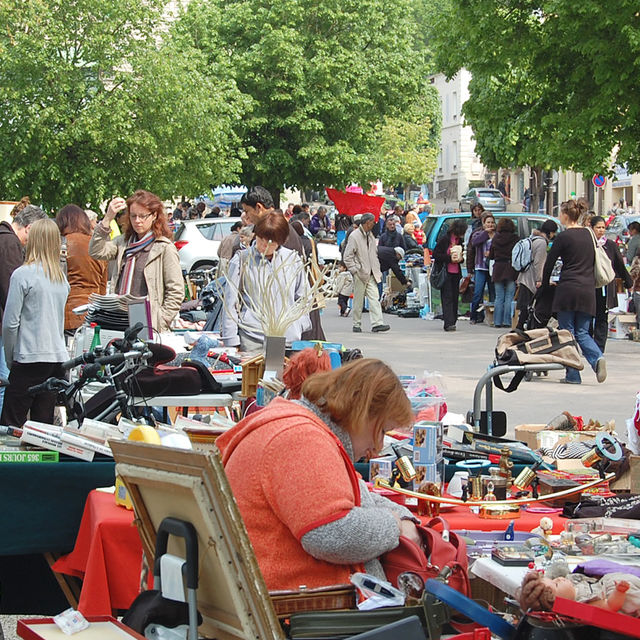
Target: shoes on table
[(380, 327), (601, 369), (357, 330)]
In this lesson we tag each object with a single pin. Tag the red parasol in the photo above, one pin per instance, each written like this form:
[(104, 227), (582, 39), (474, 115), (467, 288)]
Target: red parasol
[(354, 203)]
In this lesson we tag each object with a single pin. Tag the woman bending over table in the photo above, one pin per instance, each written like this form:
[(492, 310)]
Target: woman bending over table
[(145, 260), (310, 518)]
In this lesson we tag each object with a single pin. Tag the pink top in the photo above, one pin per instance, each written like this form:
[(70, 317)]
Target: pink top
[(453, 267)]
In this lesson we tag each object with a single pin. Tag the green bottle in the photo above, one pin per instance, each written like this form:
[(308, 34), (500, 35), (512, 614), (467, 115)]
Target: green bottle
[(96, 336)]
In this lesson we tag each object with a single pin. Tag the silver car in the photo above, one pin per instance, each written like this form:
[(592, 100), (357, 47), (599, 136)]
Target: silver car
[(490, 199), (197, 241)]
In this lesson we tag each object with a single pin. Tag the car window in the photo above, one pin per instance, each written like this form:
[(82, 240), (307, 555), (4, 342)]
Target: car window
[(446, 225), (535, 223), (207, 229), (222, 229), (489, 193), (427, 225)]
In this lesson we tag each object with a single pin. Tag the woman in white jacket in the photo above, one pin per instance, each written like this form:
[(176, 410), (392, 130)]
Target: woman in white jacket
[(263, 283)]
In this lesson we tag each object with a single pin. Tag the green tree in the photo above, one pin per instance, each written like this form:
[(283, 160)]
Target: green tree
[(97, 97), (406, 147), (555, 82), (324, 79)]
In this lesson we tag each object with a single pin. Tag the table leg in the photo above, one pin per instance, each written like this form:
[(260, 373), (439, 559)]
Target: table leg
[(68, 584)]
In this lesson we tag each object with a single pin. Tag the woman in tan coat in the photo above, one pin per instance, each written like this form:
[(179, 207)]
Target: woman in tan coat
[(145, 259), (85, 275)]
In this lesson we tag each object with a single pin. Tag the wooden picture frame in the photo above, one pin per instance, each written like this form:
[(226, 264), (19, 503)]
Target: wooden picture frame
[(190, 485)]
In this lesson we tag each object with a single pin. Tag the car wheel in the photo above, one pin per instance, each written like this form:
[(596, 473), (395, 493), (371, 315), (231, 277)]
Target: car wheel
[(199, 269)]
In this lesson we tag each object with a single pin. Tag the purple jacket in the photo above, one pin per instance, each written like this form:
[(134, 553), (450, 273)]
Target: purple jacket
[(317, 224)]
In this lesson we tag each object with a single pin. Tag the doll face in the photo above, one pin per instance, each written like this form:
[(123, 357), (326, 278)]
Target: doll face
[(564, 588)]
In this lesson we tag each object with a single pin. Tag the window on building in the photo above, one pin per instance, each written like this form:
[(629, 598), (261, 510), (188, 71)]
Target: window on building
[(455, 155), (454, 105)]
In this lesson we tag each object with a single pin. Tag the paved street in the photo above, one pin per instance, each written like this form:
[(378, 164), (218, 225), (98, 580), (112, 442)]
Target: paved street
[(415, 345)]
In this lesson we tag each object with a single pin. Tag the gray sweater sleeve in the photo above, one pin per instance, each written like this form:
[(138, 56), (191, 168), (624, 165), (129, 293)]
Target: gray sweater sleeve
[(365, 533), (362, 535)]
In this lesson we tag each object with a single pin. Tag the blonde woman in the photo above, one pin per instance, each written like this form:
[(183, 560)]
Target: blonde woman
[(33, 325)]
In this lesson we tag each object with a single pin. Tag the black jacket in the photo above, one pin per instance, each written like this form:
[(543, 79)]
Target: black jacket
[(389, 262), (611, 250), (11, 257), (501, 247), (392, 239)]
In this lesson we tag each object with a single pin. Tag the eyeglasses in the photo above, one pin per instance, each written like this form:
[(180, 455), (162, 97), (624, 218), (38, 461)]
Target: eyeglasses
[(140, 217)]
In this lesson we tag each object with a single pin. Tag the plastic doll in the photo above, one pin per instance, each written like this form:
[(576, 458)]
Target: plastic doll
[(618, 592)]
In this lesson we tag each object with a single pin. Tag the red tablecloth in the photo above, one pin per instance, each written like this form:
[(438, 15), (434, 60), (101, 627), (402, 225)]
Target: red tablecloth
[(108, 553), (462, 518), (107, 556)]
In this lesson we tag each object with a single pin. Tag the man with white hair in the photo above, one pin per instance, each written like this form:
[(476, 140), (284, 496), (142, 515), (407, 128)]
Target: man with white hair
[(390, 261), (361, 259)]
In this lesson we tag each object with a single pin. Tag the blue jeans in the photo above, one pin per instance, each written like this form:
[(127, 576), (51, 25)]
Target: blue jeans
[(578, 323), (481, 279), (504, 297), (4, 372)]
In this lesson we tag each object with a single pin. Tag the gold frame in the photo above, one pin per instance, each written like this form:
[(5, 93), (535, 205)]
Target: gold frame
[(190, 485)]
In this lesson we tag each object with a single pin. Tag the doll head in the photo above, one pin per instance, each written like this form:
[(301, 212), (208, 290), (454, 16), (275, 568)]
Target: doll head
[(539, 593)]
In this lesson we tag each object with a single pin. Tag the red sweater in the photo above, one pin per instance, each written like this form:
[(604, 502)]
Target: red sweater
[(289, 474)]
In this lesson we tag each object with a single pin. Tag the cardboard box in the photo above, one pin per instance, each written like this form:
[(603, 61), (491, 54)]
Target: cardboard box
[(536, 436), (551, 439), (620, 326), (527, 433), (426, 438), (380, 467), (630, 481)]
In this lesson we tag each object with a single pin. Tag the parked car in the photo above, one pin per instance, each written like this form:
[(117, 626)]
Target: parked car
[(197, 241), (435, 226), (618, 230), (490, 199)]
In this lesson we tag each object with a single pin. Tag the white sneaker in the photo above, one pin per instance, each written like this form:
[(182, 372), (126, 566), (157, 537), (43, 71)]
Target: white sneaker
[(601, 369)]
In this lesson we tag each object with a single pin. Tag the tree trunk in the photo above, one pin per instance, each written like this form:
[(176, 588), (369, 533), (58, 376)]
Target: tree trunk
[(535, 181)]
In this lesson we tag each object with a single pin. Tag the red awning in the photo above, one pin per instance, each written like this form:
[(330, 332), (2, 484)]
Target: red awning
[(354, 203)]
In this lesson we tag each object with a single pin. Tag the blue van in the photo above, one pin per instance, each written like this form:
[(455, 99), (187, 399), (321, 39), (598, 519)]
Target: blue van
[(435, 226)]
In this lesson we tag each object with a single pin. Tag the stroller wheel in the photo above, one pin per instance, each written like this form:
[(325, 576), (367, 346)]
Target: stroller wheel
[(528, 376)]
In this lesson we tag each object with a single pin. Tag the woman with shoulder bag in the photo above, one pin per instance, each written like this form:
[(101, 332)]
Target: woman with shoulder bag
[(574, 301), (449, 255), (606, 297)]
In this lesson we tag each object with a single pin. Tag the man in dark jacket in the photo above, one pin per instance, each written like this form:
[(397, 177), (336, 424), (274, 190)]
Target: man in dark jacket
[(13, 237), (389, 261), (391, 236)]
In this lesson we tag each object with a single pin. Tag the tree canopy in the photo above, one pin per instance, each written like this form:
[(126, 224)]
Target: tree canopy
[(324, 79), (555, 82), (97, 99)]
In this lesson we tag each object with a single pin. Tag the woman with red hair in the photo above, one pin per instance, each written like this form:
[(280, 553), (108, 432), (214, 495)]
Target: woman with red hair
[(145, 259)]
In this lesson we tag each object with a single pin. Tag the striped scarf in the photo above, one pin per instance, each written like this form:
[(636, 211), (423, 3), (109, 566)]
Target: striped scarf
[(129, 256)]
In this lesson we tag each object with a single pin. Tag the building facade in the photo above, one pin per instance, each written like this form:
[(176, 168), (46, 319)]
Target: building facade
[(458, 166)]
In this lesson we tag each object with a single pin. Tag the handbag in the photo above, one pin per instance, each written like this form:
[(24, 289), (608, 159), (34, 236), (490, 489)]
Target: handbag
[(440, 554), (438, 275), (464, 284), (602, 267)]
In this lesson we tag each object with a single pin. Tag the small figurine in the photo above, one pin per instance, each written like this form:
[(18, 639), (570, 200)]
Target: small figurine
[(618, 592), (426, 507), (506, 464), (544, 528), (490, 496)]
